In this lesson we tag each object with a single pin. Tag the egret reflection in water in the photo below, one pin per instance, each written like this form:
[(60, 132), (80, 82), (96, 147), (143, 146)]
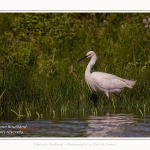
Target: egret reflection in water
[(117, 125)]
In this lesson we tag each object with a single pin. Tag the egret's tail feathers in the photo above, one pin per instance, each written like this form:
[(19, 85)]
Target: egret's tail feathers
[(130, 83)]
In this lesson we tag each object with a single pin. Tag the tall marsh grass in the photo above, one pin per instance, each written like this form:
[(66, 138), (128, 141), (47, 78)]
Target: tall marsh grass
[(39, 53)]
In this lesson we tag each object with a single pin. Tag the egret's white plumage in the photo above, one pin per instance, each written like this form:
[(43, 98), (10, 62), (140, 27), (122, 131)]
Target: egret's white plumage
[(105, 82)]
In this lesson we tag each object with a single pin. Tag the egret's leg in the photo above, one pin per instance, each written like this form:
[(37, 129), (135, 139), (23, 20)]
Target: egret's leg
[(107, 94), (117, 96), (94, 98)]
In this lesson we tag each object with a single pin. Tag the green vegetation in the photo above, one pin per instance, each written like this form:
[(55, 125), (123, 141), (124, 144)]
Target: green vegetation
[(38, 61)]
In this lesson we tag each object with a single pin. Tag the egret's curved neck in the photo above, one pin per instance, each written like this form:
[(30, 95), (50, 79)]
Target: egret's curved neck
[(90, 65)]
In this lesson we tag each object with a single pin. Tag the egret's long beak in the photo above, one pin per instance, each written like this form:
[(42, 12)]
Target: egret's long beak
[(83, 58)]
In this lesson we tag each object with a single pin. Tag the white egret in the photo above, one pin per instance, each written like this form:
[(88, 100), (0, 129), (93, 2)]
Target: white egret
[(101, 81)]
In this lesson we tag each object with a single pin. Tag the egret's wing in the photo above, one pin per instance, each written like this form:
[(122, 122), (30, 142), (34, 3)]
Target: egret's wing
[(108, 81), (104, 75)]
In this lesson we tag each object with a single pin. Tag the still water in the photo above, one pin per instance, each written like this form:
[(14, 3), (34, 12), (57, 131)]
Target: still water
[(106, 125)]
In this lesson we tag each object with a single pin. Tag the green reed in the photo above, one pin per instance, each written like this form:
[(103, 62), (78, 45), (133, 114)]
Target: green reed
[(40, 73)]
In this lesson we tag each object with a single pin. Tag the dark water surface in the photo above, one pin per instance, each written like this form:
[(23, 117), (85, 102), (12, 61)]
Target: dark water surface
[(106, 125)]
